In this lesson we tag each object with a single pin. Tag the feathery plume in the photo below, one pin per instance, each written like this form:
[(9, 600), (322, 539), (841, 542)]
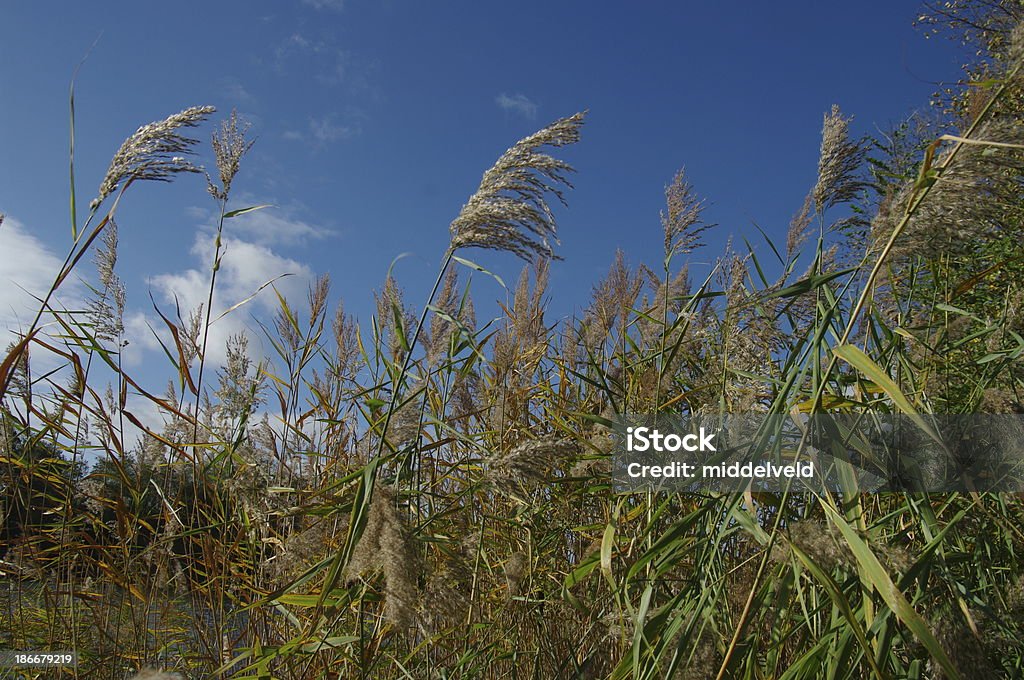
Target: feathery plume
[(229, 145), (615, 295), (530, 460), (682, 218), (816, 540), (391, 311), (106, 312), (149, 674), (509, 211), (516, 569), (970, 200), (797, 233), (347, 359), (405, 422), (671, 292), (106, 255), (522, 340), (838, 164), (386, 546), (239, 391), (441, 327), (192, 330), (155, 152), (317, 296), (446, 594)]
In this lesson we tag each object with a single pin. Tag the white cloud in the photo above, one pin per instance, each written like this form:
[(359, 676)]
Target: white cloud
[(267, 227), (197, 213), (27, 269), (517, 103), (245, 267), (140, 338)]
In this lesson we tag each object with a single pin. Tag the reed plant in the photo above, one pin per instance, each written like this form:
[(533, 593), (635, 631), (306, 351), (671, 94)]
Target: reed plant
[(424, 496)]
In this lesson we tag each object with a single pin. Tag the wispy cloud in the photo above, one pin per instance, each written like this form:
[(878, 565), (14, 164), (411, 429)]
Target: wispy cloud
[(233, 89), (324, 130), (328, 63), (335, 5), (517, 103), (294, 46), (327, 130), (273, 226)]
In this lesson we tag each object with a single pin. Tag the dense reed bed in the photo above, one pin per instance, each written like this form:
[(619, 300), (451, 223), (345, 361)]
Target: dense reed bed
[(423, 496)]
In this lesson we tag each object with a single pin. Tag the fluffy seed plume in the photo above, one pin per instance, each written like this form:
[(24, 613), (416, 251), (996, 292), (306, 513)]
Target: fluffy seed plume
[(107, 310), (970, 202), (229, 145), (797, 233), (816, 540), (682, 218), (838, 164), (529, 461), (386, 546), (509, 211), (517, 567), (149, 674), (155, 152)]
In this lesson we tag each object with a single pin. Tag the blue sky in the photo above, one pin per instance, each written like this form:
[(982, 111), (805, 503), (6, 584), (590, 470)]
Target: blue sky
[(375, 120)]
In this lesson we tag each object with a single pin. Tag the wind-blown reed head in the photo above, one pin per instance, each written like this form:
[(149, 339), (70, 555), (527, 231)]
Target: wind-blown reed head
[(797, 233), (155, 152), (973, 200), (528, 461), (838, 164), (509, 211)]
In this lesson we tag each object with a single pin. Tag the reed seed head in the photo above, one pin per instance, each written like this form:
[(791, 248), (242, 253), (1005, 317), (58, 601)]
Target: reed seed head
[(106, 312), (838, 164), (387, 546), (516, 569), (530, 460), (509, 210), (149, 674), (229, 145), (155, 152), (816, 540), (441, 327), (971, 198), (797, 233), (681, 219)]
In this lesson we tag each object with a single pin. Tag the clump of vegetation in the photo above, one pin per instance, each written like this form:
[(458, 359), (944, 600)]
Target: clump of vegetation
[(424, 497)]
